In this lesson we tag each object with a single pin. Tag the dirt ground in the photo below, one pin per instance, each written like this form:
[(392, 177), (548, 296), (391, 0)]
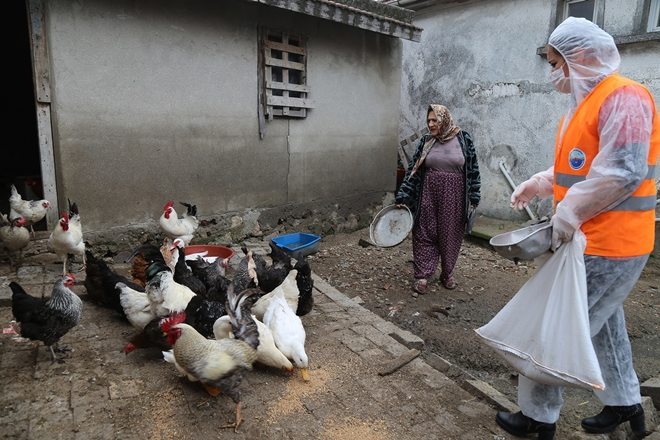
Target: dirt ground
[(382, 278)]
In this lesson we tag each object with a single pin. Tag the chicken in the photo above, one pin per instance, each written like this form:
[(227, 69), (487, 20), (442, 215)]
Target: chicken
[(143, 256), (245, 276), (212, 275), (288, 289), (182, 273), (270, 276), (135, 305), (31, 210), (202, 313), (267, 353), (13, 236), (67, 237), (166, 296), (150, 336), (175, 227), (305, 285), (47, 320), (100, 282), (288, 331), (218, 364)]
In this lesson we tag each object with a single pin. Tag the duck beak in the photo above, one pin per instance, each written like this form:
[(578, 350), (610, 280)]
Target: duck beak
[(305, 374)]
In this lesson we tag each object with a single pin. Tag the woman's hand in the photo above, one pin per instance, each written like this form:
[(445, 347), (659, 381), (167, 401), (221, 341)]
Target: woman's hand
[(524, 193)]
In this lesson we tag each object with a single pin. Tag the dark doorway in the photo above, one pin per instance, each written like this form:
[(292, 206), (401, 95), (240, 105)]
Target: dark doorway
[(20, 164)]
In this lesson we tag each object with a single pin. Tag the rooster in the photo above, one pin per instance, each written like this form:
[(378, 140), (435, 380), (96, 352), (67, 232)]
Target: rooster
[(67, 237), (175, 227), (47, 320), (143, 256), (31, 210), (218, 365), (13, 236)]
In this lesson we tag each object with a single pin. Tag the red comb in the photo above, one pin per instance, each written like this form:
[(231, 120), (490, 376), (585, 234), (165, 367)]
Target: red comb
[(65, 215), (168, 205), (172, 320)]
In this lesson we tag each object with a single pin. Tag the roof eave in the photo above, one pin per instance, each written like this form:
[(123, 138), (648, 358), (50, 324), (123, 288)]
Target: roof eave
[(355, 16)]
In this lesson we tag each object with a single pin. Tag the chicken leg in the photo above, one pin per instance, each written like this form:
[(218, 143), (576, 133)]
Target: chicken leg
[(237, 421)]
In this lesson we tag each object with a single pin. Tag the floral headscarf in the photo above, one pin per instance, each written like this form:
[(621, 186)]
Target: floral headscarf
[(447, 129)]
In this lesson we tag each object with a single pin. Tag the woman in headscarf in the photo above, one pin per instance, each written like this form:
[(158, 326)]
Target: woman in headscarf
[(603, 183), (442, 189)]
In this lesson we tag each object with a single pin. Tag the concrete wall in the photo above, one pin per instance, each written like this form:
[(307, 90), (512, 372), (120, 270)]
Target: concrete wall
[(480, 60), (157, 101)]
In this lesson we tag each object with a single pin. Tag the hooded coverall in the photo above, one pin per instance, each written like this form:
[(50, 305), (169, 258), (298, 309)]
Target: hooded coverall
[(625, 138)]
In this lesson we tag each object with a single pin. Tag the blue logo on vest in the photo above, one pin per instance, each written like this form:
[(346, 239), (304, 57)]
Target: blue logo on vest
[(576, 158)]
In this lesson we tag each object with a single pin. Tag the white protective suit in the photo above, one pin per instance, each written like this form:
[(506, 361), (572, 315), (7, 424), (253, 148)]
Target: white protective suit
[(625, 125)]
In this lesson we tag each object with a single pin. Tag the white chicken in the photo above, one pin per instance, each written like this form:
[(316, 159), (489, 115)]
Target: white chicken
[(67, 237), (288, 331), (267, 352), (175, 227), (289, 289), (31, 210), (136, 305), (166, 296), (13, 236)]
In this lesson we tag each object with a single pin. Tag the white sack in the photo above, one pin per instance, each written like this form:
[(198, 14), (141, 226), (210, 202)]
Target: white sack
[(543, 331)]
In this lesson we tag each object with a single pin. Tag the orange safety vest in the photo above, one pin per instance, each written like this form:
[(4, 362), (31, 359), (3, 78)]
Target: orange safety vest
[(628, 229)]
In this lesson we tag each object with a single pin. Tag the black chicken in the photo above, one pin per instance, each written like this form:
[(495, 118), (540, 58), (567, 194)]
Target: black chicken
[(150, 336), (183, 274), (202, 313), (305, 285), (271, 275), (212, 275), (100, 283), (47, 320)]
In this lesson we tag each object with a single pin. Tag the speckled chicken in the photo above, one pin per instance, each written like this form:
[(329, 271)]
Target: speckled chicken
[(218, 365), (47, 320)]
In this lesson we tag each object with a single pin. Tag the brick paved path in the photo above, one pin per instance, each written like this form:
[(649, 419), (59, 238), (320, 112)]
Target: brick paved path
[(99, 393)]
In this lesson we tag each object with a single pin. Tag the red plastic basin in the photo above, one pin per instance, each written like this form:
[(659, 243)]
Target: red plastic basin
[(214, 250)]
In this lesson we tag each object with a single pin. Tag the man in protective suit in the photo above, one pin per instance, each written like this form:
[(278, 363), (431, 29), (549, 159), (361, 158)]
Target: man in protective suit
[(602, 182)]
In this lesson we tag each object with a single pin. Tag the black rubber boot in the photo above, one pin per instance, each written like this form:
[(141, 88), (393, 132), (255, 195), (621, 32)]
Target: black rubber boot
[(520, 425), (612, 416)]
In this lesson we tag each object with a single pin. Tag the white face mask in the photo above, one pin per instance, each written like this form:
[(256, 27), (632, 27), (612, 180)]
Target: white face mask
[(562, 83)]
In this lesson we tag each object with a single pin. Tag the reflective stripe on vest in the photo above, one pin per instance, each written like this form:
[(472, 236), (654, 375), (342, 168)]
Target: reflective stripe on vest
[(627, 229)]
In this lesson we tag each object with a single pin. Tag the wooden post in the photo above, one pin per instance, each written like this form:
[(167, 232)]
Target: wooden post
[(41, 77)]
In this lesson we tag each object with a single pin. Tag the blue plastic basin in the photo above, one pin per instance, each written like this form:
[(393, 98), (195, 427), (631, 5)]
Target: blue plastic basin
[(298, 244)]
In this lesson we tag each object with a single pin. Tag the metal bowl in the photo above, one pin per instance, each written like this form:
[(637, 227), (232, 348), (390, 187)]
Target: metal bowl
[(524, 244), (391, 226)]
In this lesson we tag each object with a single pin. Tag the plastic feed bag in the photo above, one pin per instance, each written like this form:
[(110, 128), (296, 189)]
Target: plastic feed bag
[(543, 331)]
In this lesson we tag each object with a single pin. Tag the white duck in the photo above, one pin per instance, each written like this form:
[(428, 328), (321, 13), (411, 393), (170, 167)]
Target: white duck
[(288, 331), (267, 352)]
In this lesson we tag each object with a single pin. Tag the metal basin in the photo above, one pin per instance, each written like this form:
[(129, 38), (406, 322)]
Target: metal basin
[(391, 226), (524, 244)]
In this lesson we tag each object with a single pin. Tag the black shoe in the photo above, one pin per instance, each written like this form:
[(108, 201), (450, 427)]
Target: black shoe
[(612, 416), (520, 425)]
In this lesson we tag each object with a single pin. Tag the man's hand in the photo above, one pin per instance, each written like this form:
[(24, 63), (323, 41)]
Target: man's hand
[(524, 193)]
